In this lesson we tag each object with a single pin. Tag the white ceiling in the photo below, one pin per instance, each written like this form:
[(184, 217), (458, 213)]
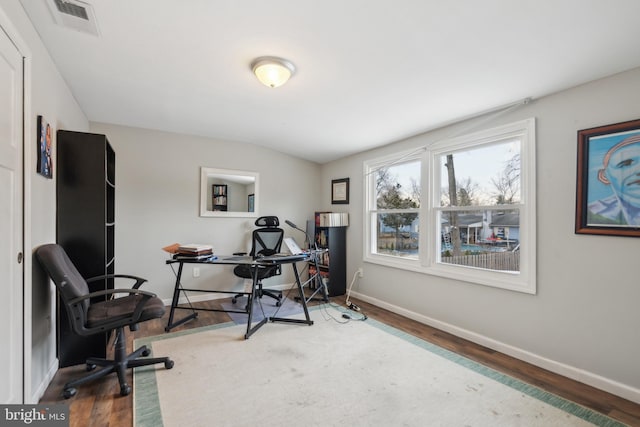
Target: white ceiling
[(369, 72)]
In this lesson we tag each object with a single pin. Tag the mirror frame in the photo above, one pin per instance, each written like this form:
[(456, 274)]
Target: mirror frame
[(207, 173)]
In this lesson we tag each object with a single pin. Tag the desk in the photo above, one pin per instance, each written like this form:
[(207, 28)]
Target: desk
[(254, 264)]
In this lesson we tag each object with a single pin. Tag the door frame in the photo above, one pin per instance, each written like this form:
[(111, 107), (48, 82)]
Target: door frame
[(27, 153)]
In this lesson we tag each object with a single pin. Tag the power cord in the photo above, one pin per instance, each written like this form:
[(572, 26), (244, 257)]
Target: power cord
[(347, 302), (343, 315)]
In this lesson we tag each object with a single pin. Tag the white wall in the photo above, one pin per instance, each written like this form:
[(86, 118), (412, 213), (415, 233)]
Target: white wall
[(47, 95), (584, 320), (158, 202)]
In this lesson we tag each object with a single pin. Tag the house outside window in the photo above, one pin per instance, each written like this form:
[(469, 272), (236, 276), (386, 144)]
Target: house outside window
[(474, 219)]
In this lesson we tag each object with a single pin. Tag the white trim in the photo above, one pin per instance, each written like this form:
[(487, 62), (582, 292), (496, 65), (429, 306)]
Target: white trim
[(525, 280), (42, 387), (14, 35), (369, 169), (602, 383), (230, 175), (426, 262), (28, 243)]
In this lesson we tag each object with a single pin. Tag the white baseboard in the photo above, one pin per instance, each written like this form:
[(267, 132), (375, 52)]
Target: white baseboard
[(589, 378), (42, 387)]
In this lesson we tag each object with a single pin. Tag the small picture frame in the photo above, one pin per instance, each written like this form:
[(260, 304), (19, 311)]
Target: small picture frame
[(608, 180), (44, 147), (340, 191)]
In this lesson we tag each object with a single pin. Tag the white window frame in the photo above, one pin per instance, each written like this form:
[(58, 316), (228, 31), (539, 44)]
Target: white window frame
[(429, 240), (370, 209)]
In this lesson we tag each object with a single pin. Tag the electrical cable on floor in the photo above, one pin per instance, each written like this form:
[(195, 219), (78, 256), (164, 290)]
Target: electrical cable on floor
[(345, 317), (328, 316), (343, 314)]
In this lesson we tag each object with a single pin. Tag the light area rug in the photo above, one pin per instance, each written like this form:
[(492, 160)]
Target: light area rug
[(333, 373), (262, 307)]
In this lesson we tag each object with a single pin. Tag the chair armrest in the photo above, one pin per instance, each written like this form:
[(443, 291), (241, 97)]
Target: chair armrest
[(139, 280)]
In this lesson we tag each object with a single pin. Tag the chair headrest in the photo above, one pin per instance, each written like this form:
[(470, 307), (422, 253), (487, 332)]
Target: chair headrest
[(267, 221)]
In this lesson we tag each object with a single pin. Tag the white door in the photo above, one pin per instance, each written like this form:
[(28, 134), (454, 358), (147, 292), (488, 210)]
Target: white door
[(11, 228)]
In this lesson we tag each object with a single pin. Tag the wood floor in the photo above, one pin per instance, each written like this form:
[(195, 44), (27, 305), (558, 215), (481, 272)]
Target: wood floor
[(99, 403)]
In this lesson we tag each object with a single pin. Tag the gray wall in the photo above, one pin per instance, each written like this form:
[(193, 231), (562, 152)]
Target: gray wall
[(158, 202), (47, 95), (584, 320)]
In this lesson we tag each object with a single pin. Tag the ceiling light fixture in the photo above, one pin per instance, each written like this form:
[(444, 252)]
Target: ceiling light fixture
[(272, 71)]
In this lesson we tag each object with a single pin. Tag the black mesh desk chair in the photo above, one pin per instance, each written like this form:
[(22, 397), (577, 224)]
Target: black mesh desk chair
[(89, 318), (266, 240)]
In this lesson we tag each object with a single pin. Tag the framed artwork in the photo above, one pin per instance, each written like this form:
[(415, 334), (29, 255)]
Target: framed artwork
[(45, 165), (340, 191), (251, 203), (608, 181)]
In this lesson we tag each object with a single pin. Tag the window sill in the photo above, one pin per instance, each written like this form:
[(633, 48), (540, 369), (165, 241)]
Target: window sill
[(502, 280)]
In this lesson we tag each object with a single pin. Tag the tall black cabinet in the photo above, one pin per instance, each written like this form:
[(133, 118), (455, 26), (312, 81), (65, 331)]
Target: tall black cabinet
[(332, 236), (86, 166)]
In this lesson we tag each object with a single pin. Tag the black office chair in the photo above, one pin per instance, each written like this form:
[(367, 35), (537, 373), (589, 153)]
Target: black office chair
[(265, 241), (89, 318)]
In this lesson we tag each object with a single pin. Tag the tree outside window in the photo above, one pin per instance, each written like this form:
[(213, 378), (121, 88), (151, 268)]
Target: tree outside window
[(469, 216)]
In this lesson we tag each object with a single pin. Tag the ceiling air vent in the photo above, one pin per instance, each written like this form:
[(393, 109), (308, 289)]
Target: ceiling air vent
[(72, 9), (74, 14)]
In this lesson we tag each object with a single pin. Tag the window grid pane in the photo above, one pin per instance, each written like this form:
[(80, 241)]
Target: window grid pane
[(488, 239), (398, 186), (485, 175), (397, 234)]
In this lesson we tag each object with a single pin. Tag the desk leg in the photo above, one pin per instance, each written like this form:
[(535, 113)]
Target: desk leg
[(303, 301), (174, 303), (319, 283), (254, 289)]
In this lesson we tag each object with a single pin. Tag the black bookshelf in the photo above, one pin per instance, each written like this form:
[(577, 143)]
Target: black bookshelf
[(219, 197), (85, 220), (333, 262)]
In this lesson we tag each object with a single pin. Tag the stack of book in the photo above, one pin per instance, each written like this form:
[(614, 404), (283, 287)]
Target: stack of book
[(332, 219), (193, 250), (190, 251)]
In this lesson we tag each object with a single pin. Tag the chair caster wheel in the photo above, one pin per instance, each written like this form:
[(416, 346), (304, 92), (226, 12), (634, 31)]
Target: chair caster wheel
[(90, 367), (68, 393), (168, 364), (125, 390), (145, 352), (233, 300), (278, 304)]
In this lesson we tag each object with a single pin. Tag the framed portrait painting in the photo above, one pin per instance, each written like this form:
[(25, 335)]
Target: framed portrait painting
[(44, 166), (608, 181)]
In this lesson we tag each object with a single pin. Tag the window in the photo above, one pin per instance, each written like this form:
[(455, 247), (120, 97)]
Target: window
[(395, 213), (476, 213)]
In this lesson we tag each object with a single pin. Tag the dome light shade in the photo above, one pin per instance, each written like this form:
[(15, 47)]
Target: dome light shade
[(272, 71)]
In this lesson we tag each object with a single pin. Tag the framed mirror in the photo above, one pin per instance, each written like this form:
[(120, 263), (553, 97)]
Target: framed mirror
[(228, 193)]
